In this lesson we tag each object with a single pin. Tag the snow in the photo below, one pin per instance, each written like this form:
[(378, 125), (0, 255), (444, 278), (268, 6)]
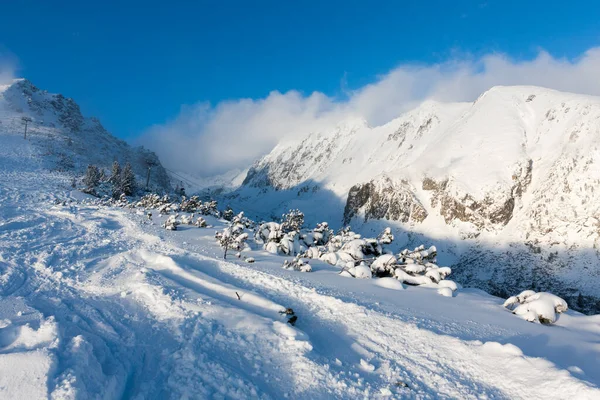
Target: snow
[(482, 151), (101, 302)]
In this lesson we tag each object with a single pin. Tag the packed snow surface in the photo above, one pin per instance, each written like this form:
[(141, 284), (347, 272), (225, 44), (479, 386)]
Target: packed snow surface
[(99, 302)]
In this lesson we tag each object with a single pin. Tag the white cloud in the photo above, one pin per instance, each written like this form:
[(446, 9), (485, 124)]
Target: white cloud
[(8, 66), (207, 140)]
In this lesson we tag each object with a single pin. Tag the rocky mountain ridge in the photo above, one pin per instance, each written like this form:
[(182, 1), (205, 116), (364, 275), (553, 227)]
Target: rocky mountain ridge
[(518, 168)]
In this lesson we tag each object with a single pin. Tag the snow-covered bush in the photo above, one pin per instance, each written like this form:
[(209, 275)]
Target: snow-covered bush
[(386, 237), (269, 234), (153, 201), (321, 234), (228, 214), (343, 236), (201, 223), (187, 219), (243, 220), (232, 237), (171, 223), (297, 264), (360, 249), (291, 245), (209, 208), (293, 220), (360, 271), (190, 205), (539, 307)]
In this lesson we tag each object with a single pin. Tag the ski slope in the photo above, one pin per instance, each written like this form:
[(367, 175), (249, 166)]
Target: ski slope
[(99, 302)]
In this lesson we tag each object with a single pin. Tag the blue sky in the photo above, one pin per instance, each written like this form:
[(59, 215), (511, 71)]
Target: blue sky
[(134, 64)]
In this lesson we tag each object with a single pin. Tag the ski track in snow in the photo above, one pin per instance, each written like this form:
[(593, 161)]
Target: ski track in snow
[(98, 303)]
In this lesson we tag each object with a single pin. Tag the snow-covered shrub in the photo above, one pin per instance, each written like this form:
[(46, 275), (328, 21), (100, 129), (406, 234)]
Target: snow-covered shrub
[(312, 252), (171, 223), (228, 214), (243, 220), (293, 220), (187, 219), (209, 208), (360, 249), (232, 237), (539, 307), (360, 271), (190, 205), (268, 232), (201, 223), (153, 201), (321, 234), (386, 237), (343, 236), (297, 265), (384, 265), (290, 244)]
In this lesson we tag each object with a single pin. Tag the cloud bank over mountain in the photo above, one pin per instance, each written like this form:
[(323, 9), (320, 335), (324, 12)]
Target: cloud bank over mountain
[(208, 140)]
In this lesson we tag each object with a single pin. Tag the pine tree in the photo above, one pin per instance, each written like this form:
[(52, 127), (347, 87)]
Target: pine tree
[(92, 177), (115, 175), (127, 180), (115, 180)]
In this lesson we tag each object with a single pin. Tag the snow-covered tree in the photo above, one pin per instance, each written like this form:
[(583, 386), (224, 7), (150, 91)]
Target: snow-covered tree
[(115, 174), (386, 237), (269, 234), (115, 180), (232, 237), (291, 245), (190, 205), (127, 181), (342, 237), (293, 220), (209, 208), (228, 214), (92, 177)]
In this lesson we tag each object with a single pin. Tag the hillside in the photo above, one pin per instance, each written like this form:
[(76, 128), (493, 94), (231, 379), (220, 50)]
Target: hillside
[(101, 302), (67, 140), (507, 182)]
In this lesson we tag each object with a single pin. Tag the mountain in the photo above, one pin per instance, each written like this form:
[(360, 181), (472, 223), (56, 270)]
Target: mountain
[(509, 182), (69, 140)]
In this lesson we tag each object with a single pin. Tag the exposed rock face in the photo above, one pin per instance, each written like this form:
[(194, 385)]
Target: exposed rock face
[(493, 211), (384, 199)]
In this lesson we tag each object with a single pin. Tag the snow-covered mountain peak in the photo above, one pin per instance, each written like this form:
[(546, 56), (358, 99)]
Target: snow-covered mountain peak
[(518, 166)]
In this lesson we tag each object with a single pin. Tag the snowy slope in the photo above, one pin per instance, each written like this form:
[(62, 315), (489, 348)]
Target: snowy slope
[(516, 171), (68, 140), (98, 302)]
